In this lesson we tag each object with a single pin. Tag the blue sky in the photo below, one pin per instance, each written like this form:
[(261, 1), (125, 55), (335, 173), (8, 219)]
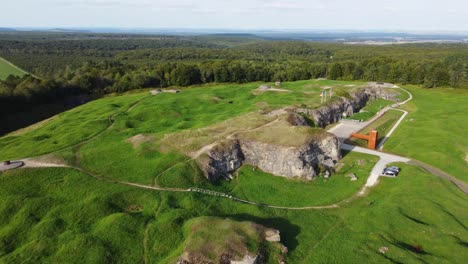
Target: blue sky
[(407, 15)]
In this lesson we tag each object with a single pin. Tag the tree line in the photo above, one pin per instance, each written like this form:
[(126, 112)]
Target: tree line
[(99, 66)]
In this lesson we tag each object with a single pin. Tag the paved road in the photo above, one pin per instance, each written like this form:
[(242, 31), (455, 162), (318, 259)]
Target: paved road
[(405, 113), (346, 127), (384, 160)]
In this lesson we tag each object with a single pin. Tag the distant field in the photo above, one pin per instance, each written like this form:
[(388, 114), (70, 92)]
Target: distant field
[(7, 69)]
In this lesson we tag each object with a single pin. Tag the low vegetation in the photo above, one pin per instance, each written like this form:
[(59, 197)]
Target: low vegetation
[(211, 239), (61, 215)]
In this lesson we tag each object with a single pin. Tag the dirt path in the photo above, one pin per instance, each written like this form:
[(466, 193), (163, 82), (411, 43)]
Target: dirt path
[(372, 180), (231, 136), (441, 174)]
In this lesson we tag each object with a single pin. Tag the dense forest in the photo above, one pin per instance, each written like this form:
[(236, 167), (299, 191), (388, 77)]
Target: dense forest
[(97, 64)]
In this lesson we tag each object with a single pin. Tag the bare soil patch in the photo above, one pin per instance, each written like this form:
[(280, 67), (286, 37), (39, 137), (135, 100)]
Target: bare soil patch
[(139, 139)]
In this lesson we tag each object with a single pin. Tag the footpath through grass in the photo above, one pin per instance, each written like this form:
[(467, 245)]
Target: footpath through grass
[(435, 130), (59, 215)]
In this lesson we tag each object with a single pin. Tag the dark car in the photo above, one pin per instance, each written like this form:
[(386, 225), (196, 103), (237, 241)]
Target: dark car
[(391, 171), (394, 168)]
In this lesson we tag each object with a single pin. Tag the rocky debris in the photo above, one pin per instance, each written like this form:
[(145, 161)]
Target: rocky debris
[(383, 250), (339, 166), (289, 162), (157, 91), (264, 87), (352, 176), (272, 235), (361, 162), (246, 260), (334, 110)]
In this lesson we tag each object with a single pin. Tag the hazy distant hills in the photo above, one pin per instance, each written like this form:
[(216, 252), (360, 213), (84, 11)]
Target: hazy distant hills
[(344, 36)]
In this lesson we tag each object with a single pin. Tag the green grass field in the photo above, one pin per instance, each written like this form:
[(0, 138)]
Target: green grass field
[(59, 215), (383, 125), (7, 69), (435, 130), (371, 109)]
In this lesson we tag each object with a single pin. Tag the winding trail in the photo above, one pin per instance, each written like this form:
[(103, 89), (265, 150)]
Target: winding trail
[(405, 113), (372, 180)]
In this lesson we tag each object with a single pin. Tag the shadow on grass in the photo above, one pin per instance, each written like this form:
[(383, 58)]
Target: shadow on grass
[(451, 216), (460, 241), (418, 249), (288, 231), (412, 218), (344, 153)]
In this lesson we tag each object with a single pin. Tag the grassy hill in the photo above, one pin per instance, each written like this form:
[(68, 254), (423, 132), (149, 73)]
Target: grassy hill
[(65, 215), (435, 130), (6, 69)]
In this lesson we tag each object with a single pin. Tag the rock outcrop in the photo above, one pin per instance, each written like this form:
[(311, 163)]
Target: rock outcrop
[(289, 149), (290, 162), (223, 159), (334, 110), (225, 241)]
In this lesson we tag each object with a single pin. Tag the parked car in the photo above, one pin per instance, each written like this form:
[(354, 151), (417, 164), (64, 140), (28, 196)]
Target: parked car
[(395, 168), (389, 173)]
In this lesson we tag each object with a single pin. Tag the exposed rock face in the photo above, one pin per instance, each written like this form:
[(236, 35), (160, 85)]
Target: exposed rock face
[(223, 159), (297, 120), (283, 161), (246, 260), (292, 162), (272, 235), (335, 110)]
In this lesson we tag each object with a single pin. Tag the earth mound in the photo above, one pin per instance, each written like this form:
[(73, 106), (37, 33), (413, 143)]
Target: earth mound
[(217, 240)]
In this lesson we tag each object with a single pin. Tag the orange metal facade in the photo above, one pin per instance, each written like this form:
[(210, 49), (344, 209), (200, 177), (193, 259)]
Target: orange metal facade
[(371, 138)]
